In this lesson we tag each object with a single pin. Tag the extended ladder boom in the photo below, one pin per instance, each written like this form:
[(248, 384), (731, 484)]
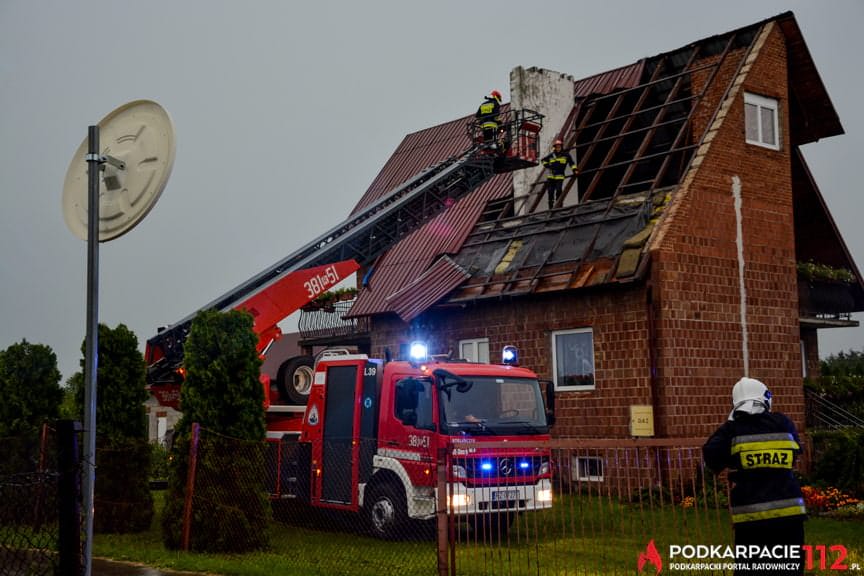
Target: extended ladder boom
[(361, 238)]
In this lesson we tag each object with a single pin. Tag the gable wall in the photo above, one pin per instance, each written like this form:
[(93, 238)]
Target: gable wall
[(695, 270), (619, 322)]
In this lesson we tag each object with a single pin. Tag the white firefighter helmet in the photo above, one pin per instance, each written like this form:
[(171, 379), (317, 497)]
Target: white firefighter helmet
[(751, 396)]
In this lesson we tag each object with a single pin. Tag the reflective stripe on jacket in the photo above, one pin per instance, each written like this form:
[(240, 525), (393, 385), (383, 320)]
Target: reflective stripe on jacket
[(766, 510), (487, 113), (772, 450), (556, 164)]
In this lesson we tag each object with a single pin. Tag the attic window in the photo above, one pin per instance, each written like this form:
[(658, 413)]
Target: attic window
[(760, 121)]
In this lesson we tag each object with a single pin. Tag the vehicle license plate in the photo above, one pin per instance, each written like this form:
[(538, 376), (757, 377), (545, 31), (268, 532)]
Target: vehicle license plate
[(504, 495)]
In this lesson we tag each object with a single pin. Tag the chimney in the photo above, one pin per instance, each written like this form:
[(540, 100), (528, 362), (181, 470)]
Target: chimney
[(551, 94)]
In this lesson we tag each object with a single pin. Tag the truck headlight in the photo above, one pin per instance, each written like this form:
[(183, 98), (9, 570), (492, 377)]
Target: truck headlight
[(458, 500), (544, 495)]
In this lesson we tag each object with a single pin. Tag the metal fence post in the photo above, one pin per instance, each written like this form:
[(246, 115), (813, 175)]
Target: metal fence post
[(443, 533), (69, 499), (190, 485)]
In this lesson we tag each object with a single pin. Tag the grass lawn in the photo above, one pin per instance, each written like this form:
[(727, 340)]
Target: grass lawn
[(577, 536)]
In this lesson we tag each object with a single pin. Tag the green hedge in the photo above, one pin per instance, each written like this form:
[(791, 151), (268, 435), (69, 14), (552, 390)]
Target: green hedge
[(839, 459)]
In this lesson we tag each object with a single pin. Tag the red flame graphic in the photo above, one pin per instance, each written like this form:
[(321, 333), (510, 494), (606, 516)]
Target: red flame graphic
[(650, 555)]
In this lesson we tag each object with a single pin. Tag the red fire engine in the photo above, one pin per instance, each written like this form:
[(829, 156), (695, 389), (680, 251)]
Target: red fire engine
[(372, 431)]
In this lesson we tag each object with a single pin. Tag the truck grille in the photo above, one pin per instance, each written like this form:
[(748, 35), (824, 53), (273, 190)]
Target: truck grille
[(513, 469)]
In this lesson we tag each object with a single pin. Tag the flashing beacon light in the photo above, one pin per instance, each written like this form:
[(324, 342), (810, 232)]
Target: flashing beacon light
[(418, 352), (510, 356)]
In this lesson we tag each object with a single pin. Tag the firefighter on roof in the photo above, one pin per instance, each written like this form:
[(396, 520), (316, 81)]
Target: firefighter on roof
[(556, 163), (759, 448), (487, 116)]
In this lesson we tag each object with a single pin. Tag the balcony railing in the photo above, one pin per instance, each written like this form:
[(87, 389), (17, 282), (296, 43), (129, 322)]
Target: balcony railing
[(825, 299), (328, 322)]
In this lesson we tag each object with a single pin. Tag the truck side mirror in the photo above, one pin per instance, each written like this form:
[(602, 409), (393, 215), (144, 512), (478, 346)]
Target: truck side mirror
[(549, 388)]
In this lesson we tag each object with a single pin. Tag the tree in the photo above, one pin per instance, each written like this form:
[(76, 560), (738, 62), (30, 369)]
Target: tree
[(121, 387), (838, 455), (29, 388), (841, 381), (122, 498), (223, 395)]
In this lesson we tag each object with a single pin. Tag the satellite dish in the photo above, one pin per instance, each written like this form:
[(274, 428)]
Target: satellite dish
[(138, 154)]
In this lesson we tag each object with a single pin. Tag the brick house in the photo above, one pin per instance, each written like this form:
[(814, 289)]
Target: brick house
[(693, 247)]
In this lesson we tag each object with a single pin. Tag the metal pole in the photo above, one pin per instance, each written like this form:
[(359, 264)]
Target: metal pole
[(91, 355), (69, 492)]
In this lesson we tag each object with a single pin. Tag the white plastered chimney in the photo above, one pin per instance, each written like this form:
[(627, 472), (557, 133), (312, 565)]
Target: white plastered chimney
[(552, 94)]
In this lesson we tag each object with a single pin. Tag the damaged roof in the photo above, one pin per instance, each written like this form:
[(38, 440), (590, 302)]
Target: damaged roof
[(634, 131)]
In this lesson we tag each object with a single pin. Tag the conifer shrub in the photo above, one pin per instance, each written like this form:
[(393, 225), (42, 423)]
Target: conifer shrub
[(222, 393)]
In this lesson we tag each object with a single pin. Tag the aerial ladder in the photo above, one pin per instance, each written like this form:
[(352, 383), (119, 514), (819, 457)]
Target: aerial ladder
[(299, 278)]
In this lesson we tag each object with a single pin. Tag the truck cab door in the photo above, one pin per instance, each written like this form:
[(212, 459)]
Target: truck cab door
[(413, 424)]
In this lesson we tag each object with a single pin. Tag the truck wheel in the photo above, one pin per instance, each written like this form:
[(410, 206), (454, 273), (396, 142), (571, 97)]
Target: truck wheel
[(295, 378), (386, 511)]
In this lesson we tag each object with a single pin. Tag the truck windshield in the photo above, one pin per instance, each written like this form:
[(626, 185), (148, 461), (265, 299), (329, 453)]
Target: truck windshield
[(490, 405)]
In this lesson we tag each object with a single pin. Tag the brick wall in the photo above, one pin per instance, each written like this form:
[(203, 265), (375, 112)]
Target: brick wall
[(695, 271), (618, 318)]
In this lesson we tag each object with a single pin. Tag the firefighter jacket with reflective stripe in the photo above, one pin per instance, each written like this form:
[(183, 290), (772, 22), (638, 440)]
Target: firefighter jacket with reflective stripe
[(759, 450), (487, 113), (556, 164)]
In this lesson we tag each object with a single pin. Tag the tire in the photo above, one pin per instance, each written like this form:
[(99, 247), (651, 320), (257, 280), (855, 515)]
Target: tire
[(386, 512), (295, 380)]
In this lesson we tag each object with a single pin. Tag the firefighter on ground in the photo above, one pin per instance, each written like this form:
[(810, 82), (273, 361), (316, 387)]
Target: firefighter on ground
[(759, 448), (556, 163), (487, 116)]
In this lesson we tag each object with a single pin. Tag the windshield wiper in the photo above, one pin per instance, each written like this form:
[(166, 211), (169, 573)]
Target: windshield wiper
[(476, 426), (526, 425)]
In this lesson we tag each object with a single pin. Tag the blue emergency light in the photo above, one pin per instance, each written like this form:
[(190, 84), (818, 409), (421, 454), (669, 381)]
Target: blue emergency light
[(418, 351), (510, 355)]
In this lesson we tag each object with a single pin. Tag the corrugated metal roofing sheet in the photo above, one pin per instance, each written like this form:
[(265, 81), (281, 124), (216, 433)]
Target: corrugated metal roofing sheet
[(411, 257), (427, 289), (606, 82)]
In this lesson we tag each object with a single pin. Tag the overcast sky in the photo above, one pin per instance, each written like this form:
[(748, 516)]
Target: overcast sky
[(284, 113)]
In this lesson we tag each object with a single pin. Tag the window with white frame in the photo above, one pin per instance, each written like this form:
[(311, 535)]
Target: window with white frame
[(573, 359), (760, 121), (475, 350), (587, 468)]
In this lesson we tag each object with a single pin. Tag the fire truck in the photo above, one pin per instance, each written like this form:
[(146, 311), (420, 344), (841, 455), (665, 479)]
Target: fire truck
[(372, 432), (401, 449)]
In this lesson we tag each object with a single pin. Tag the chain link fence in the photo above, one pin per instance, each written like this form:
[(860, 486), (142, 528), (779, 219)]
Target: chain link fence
[(616, 504), (613, 504), (29, 527), (254, 497)]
